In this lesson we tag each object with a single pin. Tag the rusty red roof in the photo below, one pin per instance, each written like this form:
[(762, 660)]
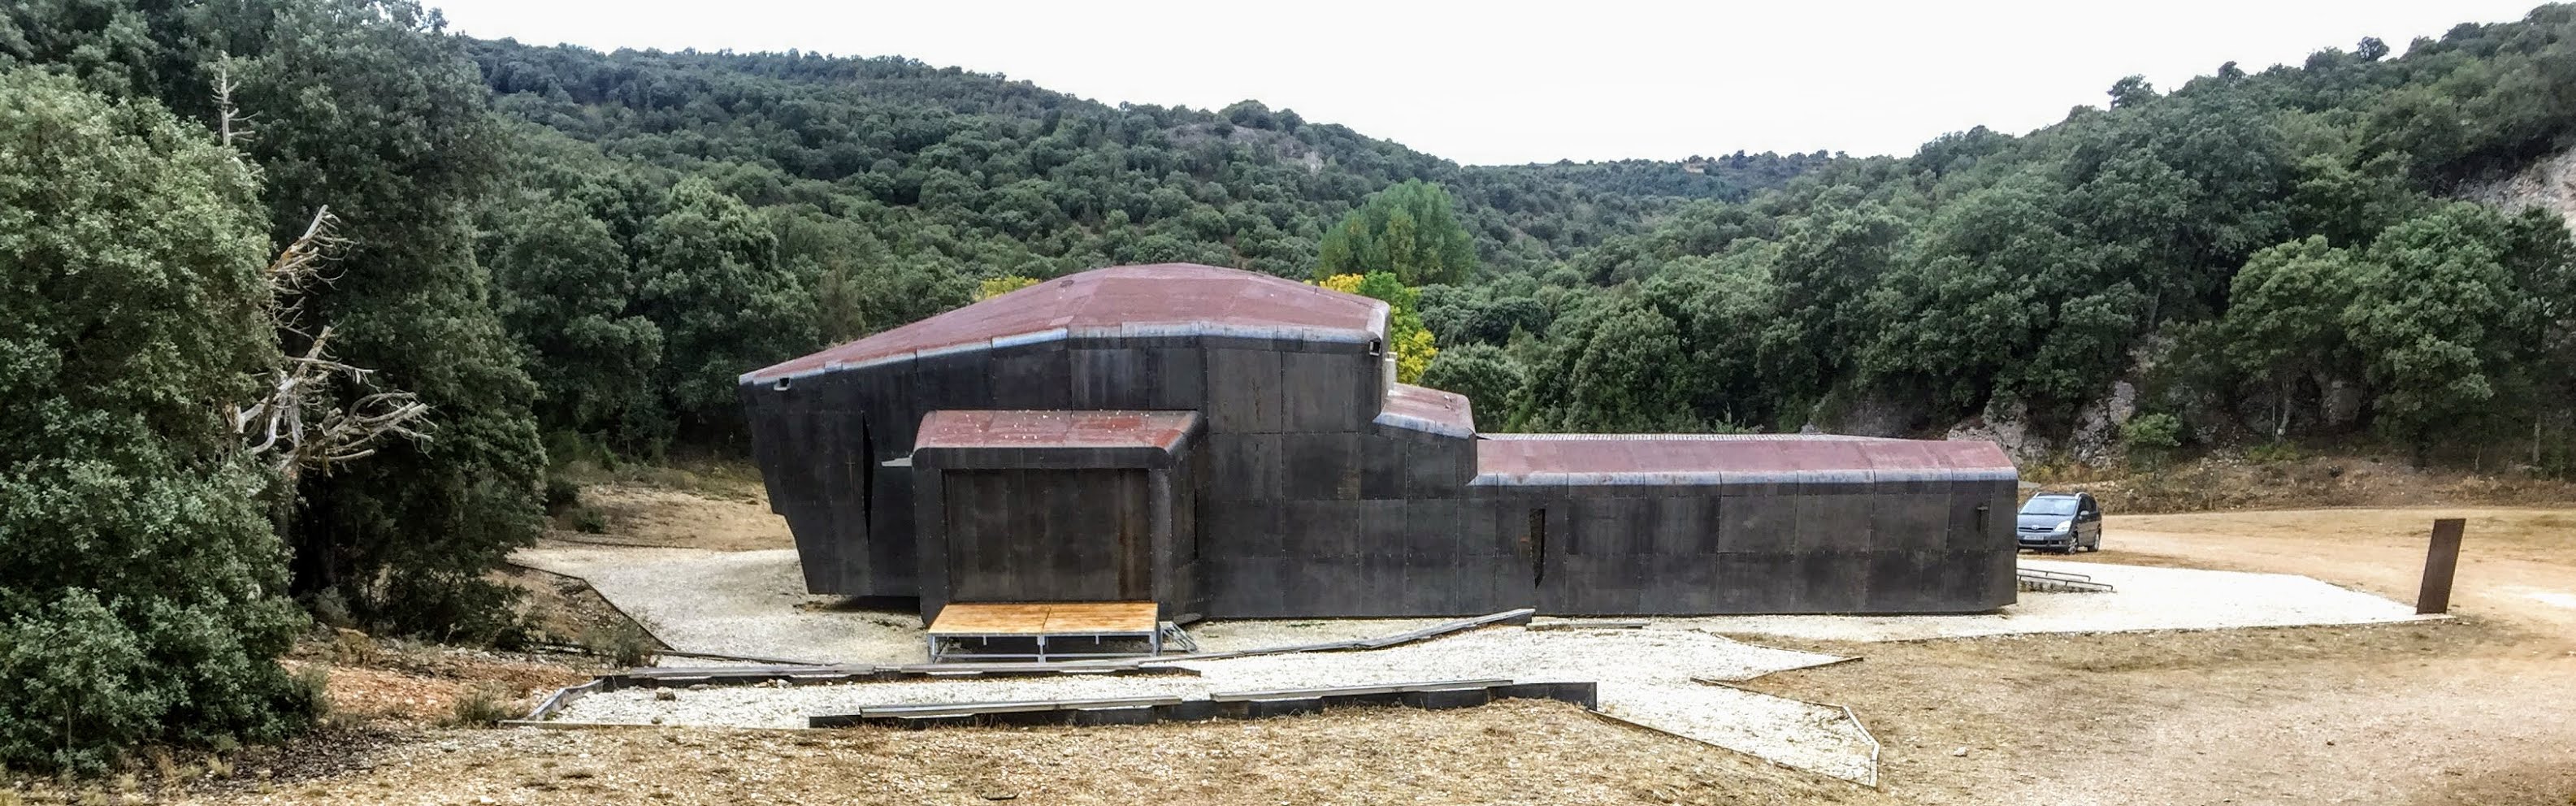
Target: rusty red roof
[(954, 428), (1154, 300), (1422, 408), (1722, 458)]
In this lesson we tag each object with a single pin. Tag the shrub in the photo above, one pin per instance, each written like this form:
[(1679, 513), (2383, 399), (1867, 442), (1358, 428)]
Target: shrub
[(483, 705), (142, 598), (623, 641)]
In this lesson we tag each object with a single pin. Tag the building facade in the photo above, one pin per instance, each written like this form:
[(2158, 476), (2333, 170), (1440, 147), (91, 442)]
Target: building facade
[(1230, 444)]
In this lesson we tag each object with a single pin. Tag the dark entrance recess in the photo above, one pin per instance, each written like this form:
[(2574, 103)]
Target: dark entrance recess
[(1538, 546), (1048, 535)]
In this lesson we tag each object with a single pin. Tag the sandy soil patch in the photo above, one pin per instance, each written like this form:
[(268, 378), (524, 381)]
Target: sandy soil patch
[(1513, 752), (645, 515)]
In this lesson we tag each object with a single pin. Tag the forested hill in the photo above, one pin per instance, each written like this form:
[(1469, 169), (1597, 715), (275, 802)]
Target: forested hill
[(2247, 257), (230, 408), (1022, 180)]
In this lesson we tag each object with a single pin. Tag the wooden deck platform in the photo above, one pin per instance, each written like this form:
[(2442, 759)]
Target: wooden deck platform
[(962, 624)]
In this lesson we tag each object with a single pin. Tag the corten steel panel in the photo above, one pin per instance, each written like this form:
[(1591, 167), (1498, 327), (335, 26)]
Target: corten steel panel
[(1914, 521), (1685, 526), (952, 381), (2000, 585), (1047, 535), (931, 547), (1243, 467), (892, 550), (818, 548), (1384, 529), (1433, 530), (1241, 529), (1438, 467), (1176, 378), (1322, 391), (1757, 523), (1112, 379), (1312, 529), (1382, 467), (1146, 301), (1834, 582), (1321, 466), (1905, 581), (1243, 391), (1834, 522), (1756, 583), (1035, 377), (1436, 586), (1244, 587)]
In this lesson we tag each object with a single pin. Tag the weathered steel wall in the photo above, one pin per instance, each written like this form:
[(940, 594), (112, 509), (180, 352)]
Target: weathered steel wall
[(1298, 502), (1047, 535)]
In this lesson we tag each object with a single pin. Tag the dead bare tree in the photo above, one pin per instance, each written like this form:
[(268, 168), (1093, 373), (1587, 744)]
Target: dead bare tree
[(298, 422), (231, 126)]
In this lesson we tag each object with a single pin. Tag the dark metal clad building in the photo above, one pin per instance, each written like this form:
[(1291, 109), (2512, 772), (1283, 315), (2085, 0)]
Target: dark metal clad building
[(1230, 444)]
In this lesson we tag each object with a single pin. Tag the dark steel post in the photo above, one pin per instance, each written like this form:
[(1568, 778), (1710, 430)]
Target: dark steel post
[(2439, 562)]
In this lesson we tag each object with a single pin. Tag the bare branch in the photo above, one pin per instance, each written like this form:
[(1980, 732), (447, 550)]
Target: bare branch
[(299, 428), (231, 126)]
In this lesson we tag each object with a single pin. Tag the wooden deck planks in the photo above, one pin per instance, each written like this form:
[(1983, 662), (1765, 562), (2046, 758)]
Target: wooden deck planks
[(1044, 618)]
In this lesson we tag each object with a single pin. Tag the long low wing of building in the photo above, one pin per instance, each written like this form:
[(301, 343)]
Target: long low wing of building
[(1230, 444)]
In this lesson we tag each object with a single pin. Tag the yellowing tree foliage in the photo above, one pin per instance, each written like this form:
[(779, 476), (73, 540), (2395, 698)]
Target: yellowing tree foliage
[(1004, 284), (1412, 342)]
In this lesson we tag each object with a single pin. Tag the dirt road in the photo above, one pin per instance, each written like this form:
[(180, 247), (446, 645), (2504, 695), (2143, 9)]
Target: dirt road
[(2472, 711)]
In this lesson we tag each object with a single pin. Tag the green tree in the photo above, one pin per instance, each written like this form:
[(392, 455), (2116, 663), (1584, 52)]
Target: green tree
[(2285, 315), (2446, 315), (1410, 230), (144, 596), (369, 108), (712, 281), (564, 291), (1484, 373)]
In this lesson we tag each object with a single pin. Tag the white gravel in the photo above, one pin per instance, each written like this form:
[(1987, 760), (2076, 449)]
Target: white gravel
[(752, 603), (2147, 599), (1644, 676), (749, 603)]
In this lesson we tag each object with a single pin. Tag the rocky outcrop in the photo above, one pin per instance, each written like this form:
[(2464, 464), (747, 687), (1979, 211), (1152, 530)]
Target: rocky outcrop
[(2007, 426), (2549, 183)]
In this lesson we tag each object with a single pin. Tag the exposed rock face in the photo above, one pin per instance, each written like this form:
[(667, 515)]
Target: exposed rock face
[(2549, 183), (2097, 426), (2007, 426), (2343, 400), (1879, 416)]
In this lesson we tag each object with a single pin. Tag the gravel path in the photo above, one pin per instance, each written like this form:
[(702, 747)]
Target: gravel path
[(1644, 675), (733, 603), (2147, 598), (752, 603)]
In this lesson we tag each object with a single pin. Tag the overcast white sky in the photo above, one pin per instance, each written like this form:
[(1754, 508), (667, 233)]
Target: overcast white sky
[(1486, 83)]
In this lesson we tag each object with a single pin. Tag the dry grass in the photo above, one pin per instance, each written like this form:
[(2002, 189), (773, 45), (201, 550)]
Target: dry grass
[(2297, 482), (1520, 752)]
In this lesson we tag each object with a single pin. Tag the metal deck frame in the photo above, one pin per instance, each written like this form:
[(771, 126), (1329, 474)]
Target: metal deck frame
[(941, 645)]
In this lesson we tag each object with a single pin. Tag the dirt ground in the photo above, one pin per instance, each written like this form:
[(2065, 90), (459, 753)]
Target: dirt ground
[(649, 515), (2474, 710), (2467, 711), (1519, 752)]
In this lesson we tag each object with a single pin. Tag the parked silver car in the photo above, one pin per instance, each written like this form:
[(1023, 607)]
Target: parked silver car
[(2061, 522)]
